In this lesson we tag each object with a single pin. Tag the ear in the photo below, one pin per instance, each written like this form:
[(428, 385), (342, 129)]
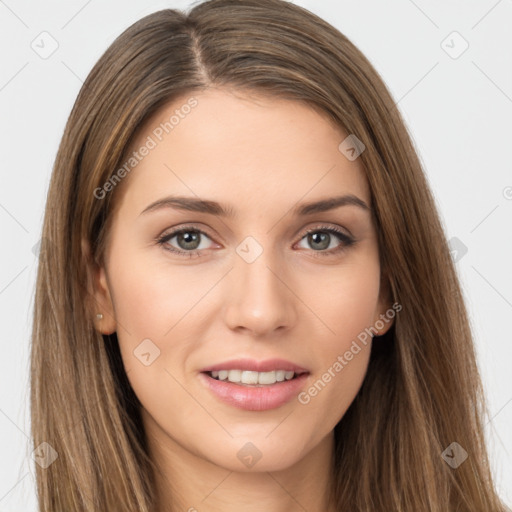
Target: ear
[(385, 312), (99, 300)]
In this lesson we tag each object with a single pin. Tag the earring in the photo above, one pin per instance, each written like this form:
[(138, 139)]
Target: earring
[(99, 316)]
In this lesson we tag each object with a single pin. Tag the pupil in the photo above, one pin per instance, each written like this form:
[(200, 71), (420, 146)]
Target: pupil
[(324, 237), (189, 238)]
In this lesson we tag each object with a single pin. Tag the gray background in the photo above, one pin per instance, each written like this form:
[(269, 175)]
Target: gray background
[(457, 106)]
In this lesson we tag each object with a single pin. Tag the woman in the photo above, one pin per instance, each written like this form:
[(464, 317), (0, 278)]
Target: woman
[(245, 298)]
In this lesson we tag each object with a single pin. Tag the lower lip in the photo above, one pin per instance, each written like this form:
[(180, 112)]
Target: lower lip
[(255, 398)]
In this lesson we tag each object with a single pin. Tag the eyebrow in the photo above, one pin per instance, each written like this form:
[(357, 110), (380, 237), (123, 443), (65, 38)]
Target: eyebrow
[(214, 208)]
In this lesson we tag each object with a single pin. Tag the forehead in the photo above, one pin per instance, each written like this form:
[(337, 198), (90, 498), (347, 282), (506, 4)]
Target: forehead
[(252, 152)]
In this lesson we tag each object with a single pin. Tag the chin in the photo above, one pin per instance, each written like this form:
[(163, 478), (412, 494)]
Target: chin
[(259, 455)]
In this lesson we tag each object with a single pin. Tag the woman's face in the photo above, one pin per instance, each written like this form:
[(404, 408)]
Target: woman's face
[(248, 294)]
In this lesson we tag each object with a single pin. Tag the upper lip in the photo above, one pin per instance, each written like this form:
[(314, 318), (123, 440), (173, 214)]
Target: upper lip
[(267, 365)]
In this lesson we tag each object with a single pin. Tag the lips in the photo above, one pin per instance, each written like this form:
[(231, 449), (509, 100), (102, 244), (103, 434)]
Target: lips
[(255, 385)]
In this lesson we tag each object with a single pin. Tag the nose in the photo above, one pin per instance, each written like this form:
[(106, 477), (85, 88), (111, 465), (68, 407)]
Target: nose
[(260, 298)]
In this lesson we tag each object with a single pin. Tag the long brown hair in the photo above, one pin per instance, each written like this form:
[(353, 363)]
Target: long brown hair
[(422, 391)]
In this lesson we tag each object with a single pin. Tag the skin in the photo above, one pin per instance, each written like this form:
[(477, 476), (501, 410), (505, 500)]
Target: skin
[(261, 156)]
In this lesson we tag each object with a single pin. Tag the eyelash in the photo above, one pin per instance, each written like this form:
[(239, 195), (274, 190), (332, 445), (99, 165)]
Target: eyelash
[(346, 240)]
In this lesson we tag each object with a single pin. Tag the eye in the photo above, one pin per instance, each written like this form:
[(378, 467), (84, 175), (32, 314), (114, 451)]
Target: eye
[(320, 238), (188, 240)]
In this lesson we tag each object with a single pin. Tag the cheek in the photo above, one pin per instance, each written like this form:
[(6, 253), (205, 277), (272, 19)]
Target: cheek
[(152, 297), (157, 302), (347, 306), (346, 300)]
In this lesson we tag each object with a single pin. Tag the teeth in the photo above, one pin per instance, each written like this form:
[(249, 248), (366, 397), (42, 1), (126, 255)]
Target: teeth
[(280, 375), (234, 375), (267, 378), (249, 377), (253, 378)]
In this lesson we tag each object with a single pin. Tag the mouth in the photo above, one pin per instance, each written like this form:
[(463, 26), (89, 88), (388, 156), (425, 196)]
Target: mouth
[(255, 385)]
